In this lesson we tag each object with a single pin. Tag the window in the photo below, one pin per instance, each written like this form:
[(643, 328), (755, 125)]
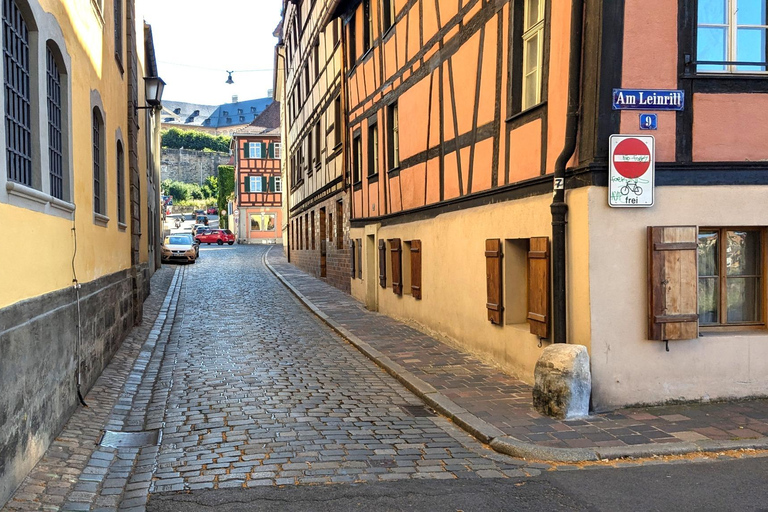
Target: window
[(120, 184), (316, 57), (393, 137), (18, 118), (352, 42), (99, 170), (373, 149), (310, 153), (337, 121), (731, 36), (340, 225), (730, 288), (55, 139), (242, 119), (367, 25), (276, 150), (263, 222), (118, 8), (312, 228), (388, 12), (335, 33), (357, 156), (239, 111), (318, 146), (256, 184), (254, 150), (533, 50), (278, 184)]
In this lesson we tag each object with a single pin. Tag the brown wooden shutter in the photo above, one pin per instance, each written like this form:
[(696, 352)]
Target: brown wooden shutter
[(538, 286), (397, 266), (352, 259), (493, 280), (382, 263), (673, 276), (416, 269)]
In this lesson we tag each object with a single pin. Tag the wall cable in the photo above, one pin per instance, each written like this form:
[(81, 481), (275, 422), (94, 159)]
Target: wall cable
[(76, 285)]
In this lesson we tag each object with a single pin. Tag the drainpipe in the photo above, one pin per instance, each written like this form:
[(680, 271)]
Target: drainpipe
[(559, 207)]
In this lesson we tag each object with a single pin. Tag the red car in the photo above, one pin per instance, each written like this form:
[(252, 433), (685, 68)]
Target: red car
[(216, 236), (212, 211)]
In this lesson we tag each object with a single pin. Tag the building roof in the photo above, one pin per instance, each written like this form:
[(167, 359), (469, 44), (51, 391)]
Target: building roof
[(266, 123), (213, 116)]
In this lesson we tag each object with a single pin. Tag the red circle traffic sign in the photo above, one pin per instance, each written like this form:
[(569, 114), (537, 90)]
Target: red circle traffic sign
[(631, 158)]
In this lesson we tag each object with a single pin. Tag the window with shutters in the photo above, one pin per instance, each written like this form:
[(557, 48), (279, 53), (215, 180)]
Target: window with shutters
[(396, 265), (278, 181), (406, 268), (516, 281), (493, 280), (415, 274), (383, 263), (255, 150), (538, 286), (730, 277), (277, 150)]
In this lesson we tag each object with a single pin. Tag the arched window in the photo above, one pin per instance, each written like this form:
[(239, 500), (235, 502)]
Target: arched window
[(18, 116), (120, 184), (99, 167), (55, 139)]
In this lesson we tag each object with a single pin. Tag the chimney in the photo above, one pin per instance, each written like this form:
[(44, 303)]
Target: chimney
[(234, 98)]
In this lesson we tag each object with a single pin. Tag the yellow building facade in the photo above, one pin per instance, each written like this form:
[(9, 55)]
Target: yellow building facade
[(79, 196)]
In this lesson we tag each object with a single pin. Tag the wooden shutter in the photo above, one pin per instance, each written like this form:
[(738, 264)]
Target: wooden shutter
[(493, 275), (538, 286), (352, 252), (271, 184), (673, 276), (397, 266), (271, 150), (382, 263), (416, 269), (247, 183)]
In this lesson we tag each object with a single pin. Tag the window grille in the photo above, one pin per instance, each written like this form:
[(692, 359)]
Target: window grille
[(55, 152), (18, 118), (120, 184), (96, 162)]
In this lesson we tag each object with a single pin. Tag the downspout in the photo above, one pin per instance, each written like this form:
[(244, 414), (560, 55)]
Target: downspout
[(559, 207), (284, 141)]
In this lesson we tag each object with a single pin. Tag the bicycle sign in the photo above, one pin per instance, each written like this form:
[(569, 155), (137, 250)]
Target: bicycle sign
[(631, 171)]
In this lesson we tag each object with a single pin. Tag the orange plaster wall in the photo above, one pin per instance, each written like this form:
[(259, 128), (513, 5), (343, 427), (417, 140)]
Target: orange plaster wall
[(525, 152), (464, 67), (481, 172), (413, 183), (720, 124), (413, 110), (557, 96), (488, 77), (650, 53)]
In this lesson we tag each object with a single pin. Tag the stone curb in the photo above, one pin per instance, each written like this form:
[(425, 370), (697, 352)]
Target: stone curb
[(494, 437)]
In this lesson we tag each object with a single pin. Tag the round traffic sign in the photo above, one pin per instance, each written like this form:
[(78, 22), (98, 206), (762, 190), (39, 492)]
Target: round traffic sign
[(631, 158)]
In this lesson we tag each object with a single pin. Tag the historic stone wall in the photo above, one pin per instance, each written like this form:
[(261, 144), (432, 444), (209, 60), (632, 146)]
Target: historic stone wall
[(190, 166)]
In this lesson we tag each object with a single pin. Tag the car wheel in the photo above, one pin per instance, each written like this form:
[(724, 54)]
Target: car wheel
[(220, 242), (231, 243)]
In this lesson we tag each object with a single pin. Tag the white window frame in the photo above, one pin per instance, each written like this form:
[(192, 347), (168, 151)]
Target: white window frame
[(278, 184), (530, 32), (255, 185), (255, 150), (277, 149), (731, 50)]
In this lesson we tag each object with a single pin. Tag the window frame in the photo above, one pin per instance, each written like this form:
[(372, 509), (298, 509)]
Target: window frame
[(255, 150), (277, 148), (357, 158), (373, 148), (120, 181), (99, 164), (731, 48), (722, 278), (528, 33), (118, 21), (393, 136)]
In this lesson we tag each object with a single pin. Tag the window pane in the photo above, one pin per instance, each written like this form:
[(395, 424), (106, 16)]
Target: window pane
[(743, 299), (711, 46), (743, 253), (709, 299), (712, 11), (751, 12), (531, 54), (750, 47), (532, 13), (530, 86), (708, 251)]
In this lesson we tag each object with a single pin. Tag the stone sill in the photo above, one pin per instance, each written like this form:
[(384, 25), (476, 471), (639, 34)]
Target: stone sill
[(100, 220)]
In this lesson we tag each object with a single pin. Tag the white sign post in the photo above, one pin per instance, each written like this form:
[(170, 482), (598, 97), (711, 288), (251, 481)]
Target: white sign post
[(632, 169)]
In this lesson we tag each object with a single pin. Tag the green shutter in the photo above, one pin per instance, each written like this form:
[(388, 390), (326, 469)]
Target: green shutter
[(271, 150), (247, 184), (271, 183), (264, 184)]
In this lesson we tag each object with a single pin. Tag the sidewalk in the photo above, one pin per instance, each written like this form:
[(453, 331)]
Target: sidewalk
[(496, 407)]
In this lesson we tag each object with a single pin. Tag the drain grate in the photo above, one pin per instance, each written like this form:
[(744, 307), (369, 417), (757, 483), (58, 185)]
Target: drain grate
[(418, 411), (130, 439)]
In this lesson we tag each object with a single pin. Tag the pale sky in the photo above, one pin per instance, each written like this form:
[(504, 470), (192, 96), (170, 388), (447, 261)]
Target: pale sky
[(197, 41)]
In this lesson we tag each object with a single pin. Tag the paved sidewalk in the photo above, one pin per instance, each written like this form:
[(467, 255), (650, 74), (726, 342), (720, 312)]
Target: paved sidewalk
[(497, 407)]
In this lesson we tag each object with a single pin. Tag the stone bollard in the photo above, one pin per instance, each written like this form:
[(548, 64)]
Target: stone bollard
[(563, 382)]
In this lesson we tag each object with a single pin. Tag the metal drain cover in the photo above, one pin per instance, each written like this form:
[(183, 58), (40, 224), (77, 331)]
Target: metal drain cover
[(130, 439), (418, 411)]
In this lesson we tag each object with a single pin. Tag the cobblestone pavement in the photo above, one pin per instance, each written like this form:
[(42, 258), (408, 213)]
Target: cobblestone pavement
[(505, 402)]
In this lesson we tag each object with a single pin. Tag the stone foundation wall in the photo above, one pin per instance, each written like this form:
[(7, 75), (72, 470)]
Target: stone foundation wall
[(338, 260), (38, 362), (188, 166)]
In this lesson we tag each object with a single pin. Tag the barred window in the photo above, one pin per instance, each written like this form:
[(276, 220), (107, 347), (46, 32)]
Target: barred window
[(118, 7), (55, 150), (18, 119), (99, 197), (120, 184)]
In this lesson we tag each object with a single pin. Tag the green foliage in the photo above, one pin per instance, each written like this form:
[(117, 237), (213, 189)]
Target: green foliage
[(226, 186), (184, 191), (199, 141), (211, 187)]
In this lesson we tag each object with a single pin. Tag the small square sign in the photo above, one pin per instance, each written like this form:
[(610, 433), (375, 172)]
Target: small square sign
[(649, 121), (631, 170)]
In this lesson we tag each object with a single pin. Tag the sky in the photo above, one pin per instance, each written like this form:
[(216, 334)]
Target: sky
[(198, 41)]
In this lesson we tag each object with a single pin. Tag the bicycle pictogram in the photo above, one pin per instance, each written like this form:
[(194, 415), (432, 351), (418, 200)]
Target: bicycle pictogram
[(631, 186)]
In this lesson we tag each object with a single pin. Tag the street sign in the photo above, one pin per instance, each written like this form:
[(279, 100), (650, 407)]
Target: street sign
[(631, 171), (648, 99), (649, 121)]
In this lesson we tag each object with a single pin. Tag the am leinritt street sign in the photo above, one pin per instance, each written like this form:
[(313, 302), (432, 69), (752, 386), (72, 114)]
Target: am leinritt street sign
[(648, 99)]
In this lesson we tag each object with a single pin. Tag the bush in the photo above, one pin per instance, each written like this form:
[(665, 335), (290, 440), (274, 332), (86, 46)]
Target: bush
[(183, 191), (199, 141)]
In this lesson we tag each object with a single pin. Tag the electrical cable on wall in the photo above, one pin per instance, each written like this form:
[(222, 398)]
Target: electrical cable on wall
[(79, 328)]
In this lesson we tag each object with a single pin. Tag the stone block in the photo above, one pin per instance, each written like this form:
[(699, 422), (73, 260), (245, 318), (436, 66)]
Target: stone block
[(563, 382)]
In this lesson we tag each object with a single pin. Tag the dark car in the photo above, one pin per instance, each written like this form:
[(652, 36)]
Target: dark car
[(216, 236), (202, 219)]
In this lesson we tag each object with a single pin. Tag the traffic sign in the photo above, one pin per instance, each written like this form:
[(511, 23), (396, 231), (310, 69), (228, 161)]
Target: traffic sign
[(631, 170)]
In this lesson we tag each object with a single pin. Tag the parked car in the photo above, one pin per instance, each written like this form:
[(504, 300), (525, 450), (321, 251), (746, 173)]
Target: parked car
[(216, 236), (199, 212), (212, 211), (197, 228), (202, 219), (195, 243), (178, 248)]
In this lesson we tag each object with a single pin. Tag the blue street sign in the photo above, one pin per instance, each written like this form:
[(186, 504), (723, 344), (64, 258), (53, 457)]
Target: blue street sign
[(648, 99), (649, 121)]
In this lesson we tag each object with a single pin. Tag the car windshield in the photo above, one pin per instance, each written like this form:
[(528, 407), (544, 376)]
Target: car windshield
[(177, 240)]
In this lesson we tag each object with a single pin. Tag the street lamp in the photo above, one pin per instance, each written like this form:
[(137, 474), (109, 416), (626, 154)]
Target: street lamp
[(153, 91)]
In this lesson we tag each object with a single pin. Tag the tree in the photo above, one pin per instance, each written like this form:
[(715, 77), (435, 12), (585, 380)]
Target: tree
[(226, 185), (198, 141)]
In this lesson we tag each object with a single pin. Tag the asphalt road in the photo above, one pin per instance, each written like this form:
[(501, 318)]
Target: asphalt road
[(721, 485)]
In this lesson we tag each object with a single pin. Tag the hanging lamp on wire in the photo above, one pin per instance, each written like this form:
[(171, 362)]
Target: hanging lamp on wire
[(229, 78)]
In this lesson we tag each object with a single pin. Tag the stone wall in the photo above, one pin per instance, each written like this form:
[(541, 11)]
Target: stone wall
[(188, 166), (38, 363)]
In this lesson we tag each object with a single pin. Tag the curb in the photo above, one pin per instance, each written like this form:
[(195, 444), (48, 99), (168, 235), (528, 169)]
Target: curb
[(494, 437)]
